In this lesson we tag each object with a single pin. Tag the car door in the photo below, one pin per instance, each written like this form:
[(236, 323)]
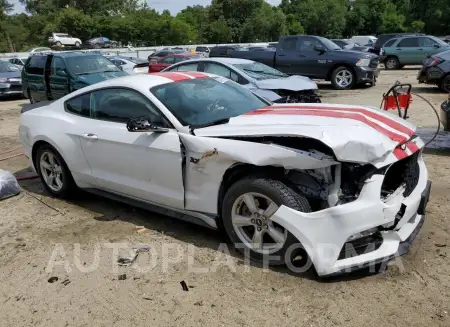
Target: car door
[(288, 55), (429, 46), (142, 165), (59, 79), (408, 51), (69, 40), (311, 62)]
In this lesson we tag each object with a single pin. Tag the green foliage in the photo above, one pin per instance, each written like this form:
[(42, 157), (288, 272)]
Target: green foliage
[(132, 21)]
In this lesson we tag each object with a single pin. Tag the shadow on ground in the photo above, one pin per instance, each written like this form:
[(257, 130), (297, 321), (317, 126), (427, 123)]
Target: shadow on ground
[(109, 211)]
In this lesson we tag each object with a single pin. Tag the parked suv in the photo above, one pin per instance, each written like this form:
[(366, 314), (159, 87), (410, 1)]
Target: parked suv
[(410, 50), (59, 39), (52, 76), (383, 38)]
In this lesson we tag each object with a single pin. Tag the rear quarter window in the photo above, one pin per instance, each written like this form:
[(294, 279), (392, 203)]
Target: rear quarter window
[(79, 105)]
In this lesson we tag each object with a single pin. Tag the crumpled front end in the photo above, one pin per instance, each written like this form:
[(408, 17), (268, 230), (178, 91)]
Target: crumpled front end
[(379, 225)]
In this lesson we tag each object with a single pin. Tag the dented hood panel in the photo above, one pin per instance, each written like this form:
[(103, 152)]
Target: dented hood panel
[(356, 134), (291, 83)]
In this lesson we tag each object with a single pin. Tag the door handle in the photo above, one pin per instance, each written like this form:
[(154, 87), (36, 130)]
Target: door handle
[(281, 55), (398, 49), (90, 136), (420, 49)]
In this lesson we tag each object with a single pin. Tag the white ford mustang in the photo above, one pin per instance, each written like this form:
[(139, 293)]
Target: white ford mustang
[(344, 186)]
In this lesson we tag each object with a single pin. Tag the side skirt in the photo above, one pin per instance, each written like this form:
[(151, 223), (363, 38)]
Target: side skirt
[(189, 216)]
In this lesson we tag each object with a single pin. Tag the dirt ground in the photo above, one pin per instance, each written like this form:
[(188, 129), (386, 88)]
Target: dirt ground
[(75, 237)]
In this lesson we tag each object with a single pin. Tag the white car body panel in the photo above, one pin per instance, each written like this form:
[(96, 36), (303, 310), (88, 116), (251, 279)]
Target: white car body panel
[(149, 166)]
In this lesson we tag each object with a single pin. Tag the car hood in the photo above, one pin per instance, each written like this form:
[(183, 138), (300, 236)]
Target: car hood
[(291, 83), (15, 74), (99, 77), (355, 134)]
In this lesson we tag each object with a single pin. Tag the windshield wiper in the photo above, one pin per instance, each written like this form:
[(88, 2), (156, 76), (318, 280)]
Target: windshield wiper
[(213, 123)]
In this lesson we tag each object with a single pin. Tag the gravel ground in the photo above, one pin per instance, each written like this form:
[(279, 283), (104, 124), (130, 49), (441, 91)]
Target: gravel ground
[(36, 230)]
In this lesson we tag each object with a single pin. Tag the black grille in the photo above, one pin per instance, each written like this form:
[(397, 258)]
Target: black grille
[(361, 246), (374, 63), (403, 172)]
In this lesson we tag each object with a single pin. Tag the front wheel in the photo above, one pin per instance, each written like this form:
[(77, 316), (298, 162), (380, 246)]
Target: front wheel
[(247, 210), (343, 78)]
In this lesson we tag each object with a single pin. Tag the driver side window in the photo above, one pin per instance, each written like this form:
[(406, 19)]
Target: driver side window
[(58, 65), (120, 105)]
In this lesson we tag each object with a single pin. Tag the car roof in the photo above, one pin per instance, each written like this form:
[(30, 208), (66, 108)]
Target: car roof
[(143, 82)]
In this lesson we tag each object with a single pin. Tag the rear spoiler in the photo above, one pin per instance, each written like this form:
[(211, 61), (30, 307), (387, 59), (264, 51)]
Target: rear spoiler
[(31, 106)]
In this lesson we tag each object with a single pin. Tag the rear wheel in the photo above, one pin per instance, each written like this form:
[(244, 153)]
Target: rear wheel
[(247, 210), (445, 84), (77, 44), (58, 44), (392, 63), (343, 78), (54, 173)]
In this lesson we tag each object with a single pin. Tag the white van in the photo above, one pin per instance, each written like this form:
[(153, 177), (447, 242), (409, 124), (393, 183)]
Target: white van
[(364, 40)]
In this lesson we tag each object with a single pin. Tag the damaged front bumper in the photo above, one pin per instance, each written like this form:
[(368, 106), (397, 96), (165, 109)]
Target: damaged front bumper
[(327, 234)]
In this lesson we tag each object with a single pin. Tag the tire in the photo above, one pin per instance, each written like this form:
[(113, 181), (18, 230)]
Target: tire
[(77, 44), (392, 63), (30, 97), (65, 176), (239, 235), (58, 44), (343, 78), (444, 85)]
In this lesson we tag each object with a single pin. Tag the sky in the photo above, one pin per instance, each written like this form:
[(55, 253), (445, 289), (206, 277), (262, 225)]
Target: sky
[(174, 6)]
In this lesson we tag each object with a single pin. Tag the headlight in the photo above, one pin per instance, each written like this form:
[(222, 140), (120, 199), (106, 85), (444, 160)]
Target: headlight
[(3, 80), (363, 62)]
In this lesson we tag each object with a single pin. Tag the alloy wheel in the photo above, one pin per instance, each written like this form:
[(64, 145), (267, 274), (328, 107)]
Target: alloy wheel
[(251, 219), (391, 63), (51, 171), (344, 78)]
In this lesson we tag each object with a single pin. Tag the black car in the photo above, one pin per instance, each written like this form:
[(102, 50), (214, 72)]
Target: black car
[(318, 58), (436, 70), (346, 45), (223, 50), (383, 38)]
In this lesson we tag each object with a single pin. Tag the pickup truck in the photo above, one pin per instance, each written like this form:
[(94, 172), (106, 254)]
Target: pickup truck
[(318, 58)]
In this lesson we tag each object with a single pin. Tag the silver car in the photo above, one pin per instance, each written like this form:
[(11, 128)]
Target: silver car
[(130, 65), (263, 80), (10, 79)]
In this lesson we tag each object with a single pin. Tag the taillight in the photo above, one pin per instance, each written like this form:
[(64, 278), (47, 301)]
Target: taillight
[(435, 61)]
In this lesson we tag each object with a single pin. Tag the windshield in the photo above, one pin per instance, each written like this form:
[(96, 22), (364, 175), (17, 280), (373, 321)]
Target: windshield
[(6, 67), (84, 65), (260, 71), (206, 100), (330, 45)]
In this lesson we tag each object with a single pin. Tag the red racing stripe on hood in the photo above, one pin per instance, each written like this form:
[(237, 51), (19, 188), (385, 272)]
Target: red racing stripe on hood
[(335, 114), (381, 118), (175, 77)]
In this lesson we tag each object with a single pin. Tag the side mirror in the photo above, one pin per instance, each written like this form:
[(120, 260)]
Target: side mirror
[(61, 73), (320, 48), (144, 124)]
